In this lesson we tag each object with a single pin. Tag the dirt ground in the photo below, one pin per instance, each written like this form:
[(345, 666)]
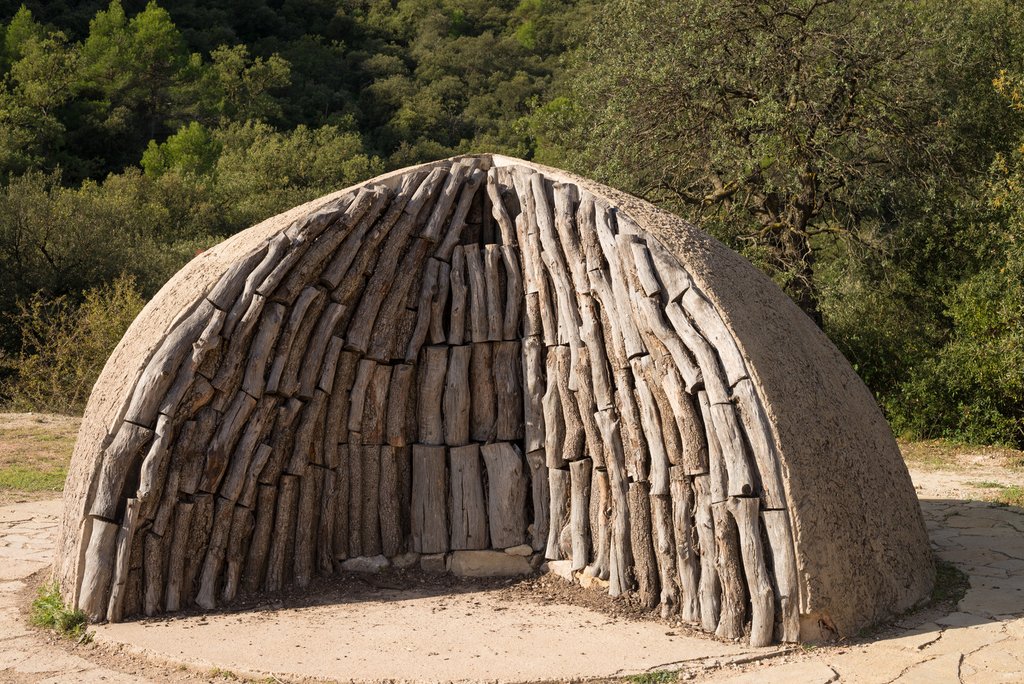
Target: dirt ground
[(413, 627)]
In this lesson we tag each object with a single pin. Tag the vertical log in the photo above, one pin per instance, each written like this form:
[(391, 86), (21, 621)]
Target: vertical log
[(175, 559), (508, 375), (580, 476), (283, 538), (692, 434), (541, 505), (602, 539), (242, 522), (213, 563), (554, 420), (468, 515), (371, 498), (457, 396), (400, 396), (762, 601), (727, 556), (483, 409), (424, 309), (643, 373), (477, 294), (429, 512), (438, 304), (495, 301), (125, 538), (506, 494), (513, 293), (559, 483), (342, 480), (665, 552), (642, 545), (457, 315), (780, 547), (574, 445), (153, 573), (498, 211), (687, 554), (390, 503), (619, 558), (710, 586), (762, 445), (259, 548), (306, 524), (533, 394), (431, 389)]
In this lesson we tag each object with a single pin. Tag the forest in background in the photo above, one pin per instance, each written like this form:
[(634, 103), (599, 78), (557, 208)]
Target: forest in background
[(867, 155)]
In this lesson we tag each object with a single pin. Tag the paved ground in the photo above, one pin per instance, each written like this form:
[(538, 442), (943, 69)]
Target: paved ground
[(480, 638)]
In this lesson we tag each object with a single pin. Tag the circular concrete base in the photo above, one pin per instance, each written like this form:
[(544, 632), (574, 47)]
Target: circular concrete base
[(419, 635)]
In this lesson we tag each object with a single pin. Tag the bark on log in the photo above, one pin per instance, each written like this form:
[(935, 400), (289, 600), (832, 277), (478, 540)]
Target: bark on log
[(713, 328), (762, 601), (468, 514), (453, 183), (620, 559), (457, 396), (429, 514), (224, 441), (665, 552), (534, 384), (389, 505), (783, 562), (306, 524), (431, 391), (513, 293), (727, 557), (540, 499), (574, 446), (242, 524), (640, 533), (741, 480), (483, 409), (254, 382), (176, 557), (651, 423), (369, 519), (559, 484), (259, 548), (375, 406), (459, 216), (580, 477), (710, 586), (283, 538), (495, 301), (506, 494), (313, 360), (762, 444), (215, 554), (508, 376), (342, 504), (424, 309), (498, 210), (121, 457), (438, 335), (400, 396), (602, 524), (306, 302), (477, 293), (692, 431), (457, 315), (326, 518), (369, 230), (153, 573), (687, 551), (125, 538), (633, 438)]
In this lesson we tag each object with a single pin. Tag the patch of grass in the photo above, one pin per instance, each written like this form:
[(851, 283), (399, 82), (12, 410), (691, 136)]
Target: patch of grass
[(656, 677), (951, 584), (944, 454), (986, 484), (217, 673), (48, 610), (1012, 495), (49, 479)]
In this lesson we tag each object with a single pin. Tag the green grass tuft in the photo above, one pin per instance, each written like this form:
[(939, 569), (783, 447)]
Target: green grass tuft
[(33, 480), (48, 610), (656, 677), (951, 583), (1012, 495)]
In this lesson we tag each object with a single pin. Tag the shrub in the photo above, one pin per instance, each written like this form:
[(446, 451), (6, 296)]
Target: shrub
[(64, 345)]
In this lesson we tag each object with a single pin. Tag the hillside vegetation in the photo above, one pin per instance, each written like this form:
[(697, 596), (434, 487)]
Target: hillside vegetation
[(867, 155)]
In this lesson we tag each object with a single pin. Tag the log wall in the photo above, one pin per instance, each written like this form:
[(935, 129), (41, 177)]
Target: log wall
[(405, 371)]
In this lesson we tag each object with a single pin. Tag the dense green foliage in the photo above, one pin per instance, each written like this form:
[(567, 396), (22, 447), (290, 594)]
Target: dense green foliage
[(868, 155)]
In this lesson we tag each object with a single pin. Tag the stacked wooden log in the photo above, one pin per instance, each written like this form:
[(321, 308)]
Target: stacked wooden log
[(469, 356)]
